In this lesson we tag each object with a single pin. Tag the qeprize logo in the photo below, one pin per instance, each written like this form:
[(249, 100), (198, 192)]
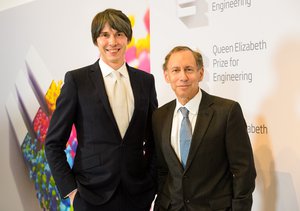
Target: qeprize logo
[(193, 13)]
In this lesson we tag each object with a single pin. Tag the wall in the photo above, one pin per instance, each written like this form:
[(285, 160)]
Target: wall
[(251, 53), (54, 37)]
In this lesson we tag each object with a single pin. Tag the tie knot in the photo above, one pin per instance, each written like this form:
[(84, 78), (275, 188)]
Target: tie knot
[(117, 75), (184, 111)]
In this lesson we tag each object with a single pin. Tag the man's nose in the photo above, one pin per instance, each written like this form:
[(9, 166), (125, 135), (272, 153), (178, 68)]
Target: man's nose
[(183, 75), (112, 40)]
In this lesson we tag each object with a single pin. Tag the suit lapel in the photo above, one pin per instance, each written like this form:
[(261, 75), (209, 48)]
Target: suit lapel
[(205, 114), (166, 136), (136, 87), (97, 78)]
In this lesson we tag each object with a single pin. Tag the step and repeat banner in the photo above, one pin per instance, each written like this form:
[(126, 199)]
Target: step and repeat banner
[(251, 52)]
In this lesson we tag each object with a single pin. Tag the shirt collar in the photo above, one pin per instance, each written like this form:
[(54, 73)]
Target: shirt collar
[(107, 70), (192, 105)]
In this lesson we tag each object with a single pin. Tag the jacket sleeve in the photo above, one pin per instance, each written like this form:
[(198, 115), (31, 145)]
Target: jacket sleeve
[(153, 106), (161, 165), (58, 134), (241, 160)]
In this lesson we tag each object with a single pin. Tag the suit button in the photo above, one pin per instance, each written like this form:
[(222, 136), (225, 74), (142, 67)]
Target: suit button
[(187, 201)]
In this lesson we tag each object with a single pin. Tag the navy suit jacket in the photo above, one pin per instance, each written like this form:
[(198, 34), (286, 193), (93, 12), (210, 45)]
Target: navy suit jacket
[(219, 174), (103, 159)]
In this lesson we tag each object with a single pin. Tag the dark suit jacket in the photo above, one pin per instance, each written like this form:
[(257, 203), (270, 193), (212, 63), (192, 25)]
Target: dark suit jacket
[(220, 172), (103, 160)]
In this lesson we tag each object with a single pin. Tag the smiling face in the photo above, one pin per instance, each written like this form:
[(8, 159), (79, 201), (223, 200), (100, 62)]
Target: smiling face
[(112, 46), (183, 75)]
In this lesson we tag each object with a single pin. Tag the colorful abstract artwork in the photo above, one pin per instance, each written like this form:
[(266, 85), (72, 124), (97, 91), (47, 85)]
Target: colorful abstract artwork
[(138, 50), (33, 149)]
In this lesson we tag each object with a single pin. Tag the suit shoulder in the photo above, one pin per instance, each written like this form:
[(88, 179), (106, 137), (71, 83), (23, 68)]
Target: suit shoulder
[(79, 71), (222, 100), (140, 72), (224, 103), (164, 109)]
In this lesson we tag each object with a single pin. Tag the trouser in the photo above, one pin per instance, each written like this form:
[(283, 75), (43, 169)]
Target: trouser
[(118, 202)]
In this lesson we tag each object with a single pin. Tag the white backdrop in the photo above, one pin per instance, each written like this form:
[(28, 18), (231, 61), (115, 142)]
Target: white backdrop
[(265, 80), (256, 45)]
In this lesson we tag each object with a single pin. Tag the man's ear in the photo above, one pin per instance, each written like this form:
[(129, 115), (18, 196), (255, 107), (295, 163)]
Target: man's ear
[(166, 76), (201, 74)]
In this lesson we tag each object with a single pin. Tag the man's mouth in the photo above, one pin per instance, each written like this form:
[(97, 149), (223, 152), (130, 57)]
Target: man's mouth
[(183, 86), (113, 50)]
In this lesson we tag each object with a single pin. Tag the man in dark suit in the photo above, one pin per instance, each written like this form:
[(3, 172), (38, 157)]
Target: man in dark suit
[(204, 155), (113, 167)]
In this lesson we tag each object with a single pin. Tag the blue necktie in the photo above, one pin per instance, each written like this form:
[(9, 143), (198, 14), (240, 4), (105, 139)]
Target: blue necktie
[(185, 135)]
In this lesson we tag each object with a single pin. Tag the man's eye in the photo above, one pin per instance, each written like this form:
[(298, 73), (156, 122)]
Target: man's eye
[(104, 35), (120, 34)]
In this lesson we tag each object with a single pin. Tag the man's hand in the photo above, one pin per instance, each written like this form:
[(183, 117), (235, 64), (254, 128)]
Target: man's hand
[(72, 196)]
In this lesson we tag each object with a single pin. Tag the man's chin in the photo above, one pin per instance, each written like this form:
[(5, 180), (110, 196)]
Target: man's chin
[(114, 60), (182, 95)]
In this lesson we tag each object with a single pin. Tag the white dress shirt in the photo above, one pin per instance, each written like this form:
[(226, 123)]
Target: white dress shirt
[(109, 81), (192, 106)]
